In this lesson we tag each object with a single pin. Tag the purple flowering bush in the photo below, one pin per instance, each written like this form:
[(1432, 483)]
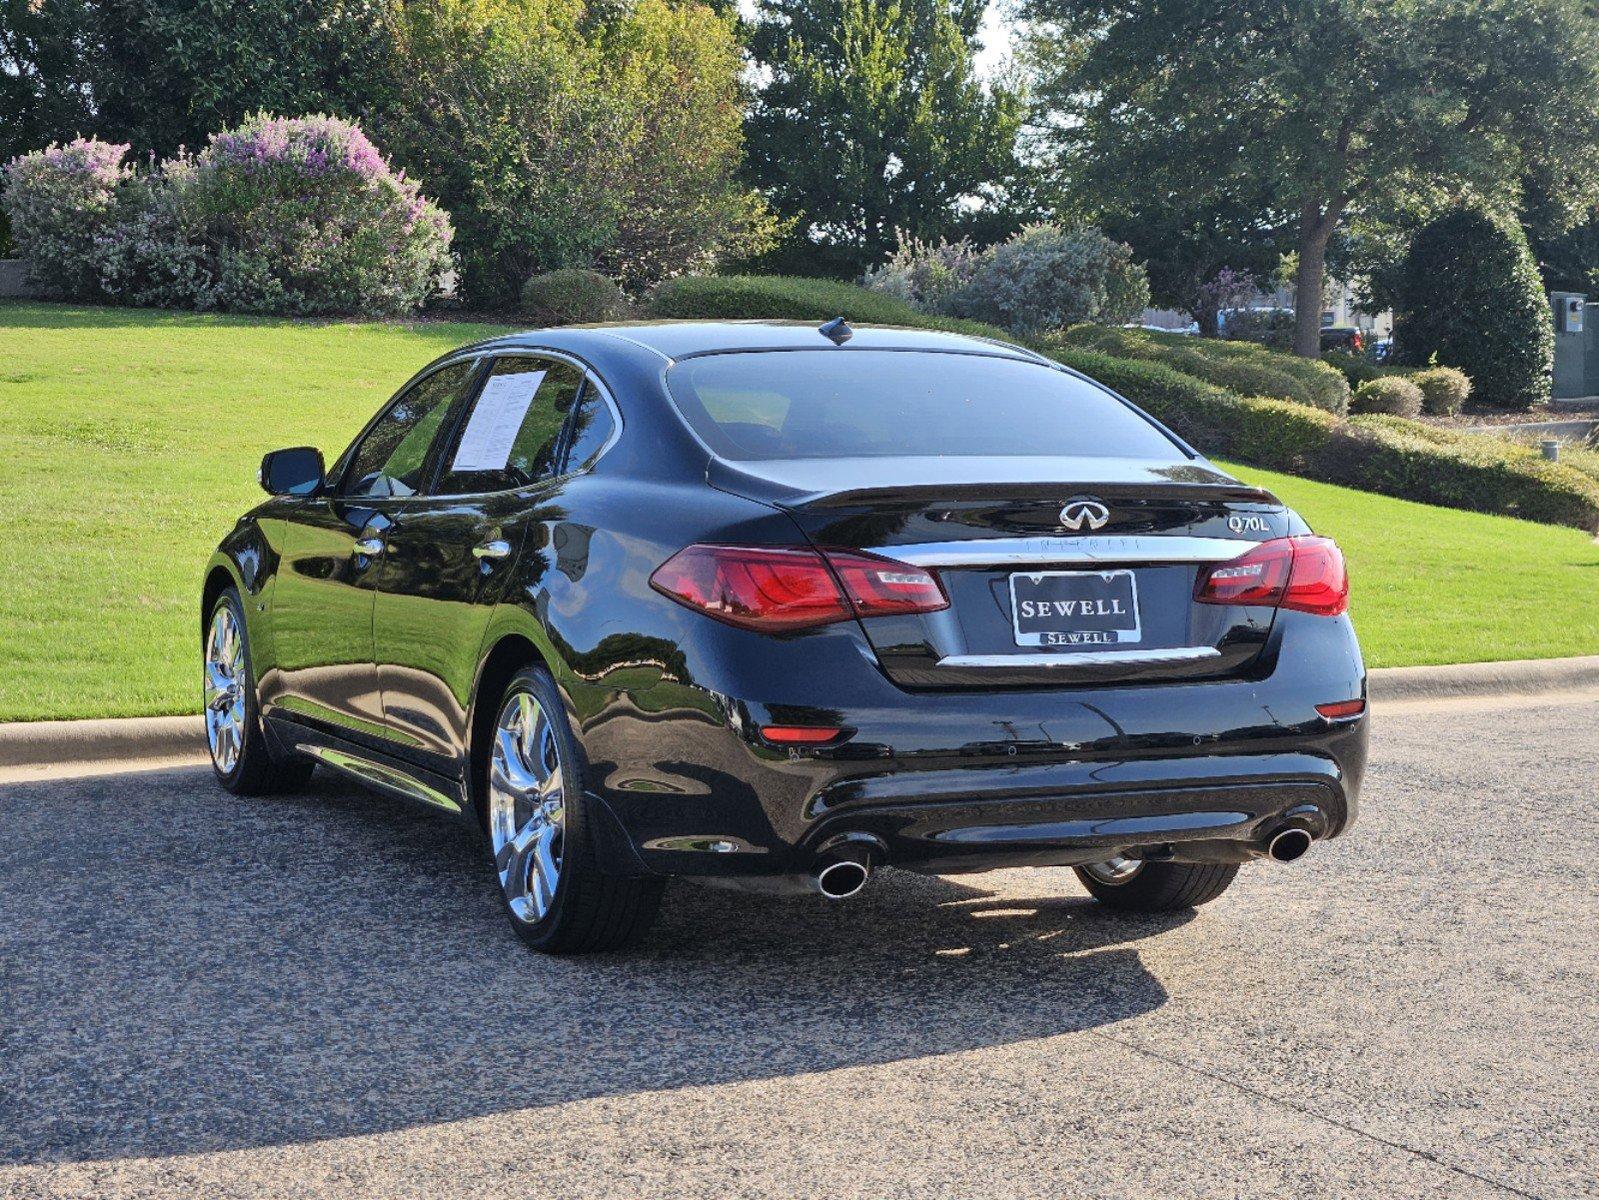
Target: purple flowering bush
[(61, 200), (300, 216), (307, 217)]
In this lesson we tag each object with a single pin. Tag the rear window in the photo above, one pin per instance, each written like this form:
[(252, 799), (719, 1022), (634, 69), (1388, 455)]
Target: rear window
[(884, 403)]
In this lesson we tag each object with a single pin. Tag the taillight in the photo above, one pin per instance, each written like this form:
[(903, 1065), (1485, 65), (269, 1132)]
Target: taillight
[(772, 589), (1304, 573)]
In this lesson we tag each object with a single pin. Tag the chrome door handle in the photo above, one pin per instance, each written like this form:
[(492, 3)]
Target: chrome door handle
[(370, 547), (494, 549)]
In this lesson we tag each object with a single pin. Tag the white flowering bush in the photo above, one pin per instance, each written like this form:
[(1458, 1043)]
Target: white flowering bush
[(1047, 278)]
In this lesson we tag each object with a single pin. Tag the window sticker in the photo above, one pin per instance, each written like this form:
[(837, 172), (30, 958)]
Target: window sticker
[(496, 420)]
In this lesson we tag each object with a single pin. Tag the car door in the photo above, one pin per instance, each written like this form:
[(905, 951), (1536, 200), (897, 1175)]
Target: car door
[(322, 599), (448, 556)]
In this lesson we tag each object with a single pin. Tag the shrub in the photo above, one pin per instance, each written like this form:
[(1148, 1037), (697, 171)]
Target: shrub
[(1387, 454), (155, 253), (1389, 394), (924, 274), (1470, 297), (59, 201), (1046, 278), (1471, 471), (792, 298), (308, 218), (572, 297), (1272, 328), (1242, 367), (1443, 390), (1355, 368)]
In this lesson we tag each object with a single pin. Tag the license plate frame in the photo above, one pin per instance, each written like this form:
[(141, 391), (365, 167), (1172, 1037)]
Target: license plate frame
[(1092, 637)]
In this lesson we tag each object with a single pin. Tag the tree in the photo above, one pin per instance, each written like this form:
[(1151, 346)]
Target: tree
[(165, 73), (1470, 297), (1322, 107), (870, 124), (560, 136)]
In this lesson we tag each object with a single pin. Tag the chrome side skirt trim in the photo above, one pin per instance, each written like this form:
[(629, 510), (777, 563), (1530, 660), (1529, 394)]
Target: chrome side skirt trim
[(1048, 551), (1086, 658), (384, 778)]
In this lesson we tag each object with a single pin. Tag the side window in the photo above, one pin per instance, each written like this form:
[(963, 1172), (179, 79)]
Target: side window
[(393, 456), (592, 428), (511, 436)]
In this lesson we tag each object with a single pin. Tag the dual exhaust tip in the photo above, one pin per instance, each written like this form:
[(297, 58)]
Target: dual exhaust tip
[(843, 872)]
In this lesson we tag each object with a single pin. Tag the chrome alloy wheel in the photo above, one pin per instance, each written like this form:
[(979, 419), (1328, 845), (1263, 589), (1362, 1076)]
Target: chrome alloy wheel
[(224, 689), (527, 811), (1115, 871)]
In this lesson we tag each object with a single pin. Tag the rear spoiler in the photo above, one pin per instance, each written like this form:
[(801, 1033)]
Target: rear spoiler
[(1203, 485)]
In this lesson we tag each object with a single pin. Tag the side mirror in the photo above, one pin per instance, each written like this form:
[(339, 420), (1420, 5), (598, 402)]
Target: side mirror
[(296, 471)]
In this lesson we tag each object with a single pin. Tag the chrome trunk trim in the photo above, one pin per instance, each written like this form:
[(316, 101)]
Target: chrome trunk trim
[(1051, 551), (1086, 658)]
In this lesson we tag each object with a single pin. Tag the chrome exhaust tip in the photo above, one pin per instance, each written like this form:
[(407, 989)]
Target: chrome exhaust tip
[(844, 873), (1288, 845)]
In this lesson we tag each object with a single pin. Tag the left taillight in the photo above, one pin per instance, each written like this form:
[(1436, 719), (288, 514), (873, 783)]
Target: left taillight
[(1306, 574), (776, 589)]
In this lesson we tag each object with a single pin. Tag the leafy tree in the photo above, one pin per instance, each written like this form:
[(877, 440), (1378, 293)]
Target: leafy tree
[(869, 123), (165, 73), (43, 97), (1471, 298), (1321, 107), (559, 136)]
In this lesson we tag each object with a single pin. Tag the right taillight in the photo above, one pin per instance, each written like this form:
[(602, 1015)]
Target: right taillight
[(1304, 573), (776, 589)]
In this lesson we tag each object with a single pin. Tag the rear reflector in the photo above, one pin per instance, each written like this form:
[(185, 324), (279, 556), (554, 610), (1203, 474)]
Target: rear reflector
[(773, 590), (1304, 573), (798, 735), (1342, 710)]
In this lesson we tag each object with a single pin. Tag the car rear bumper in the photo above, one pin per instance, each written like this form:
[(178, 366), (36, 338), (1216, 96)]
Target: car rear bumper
[(972, 780)]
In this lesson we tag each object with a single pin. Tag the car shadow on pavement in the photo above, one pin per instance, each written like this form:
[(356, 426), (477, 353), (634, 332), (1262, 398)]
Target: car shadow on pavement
[(182, 971)]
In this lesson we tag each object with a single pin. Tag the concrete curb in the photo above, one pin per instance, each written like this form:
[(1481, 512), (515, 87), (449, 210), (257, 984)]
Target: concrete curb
[(46, 743), (130, 739), (1522, 677)]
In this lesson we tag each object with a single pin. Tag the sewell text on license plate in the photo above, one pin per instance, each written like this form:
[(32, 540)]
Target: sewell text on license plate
[(1075, 608)]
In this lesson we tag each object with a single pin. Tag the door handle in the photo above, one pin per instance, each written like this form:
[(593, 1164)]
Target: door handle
[(494, 549), (370, 547)]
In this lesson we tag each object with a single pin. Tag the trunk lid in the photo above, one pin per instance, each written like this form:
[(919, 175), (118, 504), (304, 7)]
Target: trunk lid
[(1058, 570)]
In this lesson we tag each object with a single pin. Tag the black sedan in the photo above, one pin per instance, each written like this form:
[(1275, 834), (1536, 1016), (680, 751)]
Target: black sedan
[(775, 606)]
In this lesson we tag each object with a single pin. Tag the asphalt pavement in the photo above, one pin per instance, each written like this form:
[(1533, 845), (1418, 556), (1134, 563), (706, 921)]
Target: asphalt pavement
[(317, 996)]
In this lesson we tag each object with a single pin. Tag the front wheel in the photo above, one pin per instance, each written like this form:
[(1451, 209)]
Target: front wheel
[(1134, 885), (540, 831), (240, 755)]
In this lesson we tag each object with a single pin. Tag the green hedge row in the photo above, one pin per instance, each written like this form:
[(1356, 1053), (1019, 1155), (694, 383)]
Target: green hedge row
[(1242, 367), (1391, 455)]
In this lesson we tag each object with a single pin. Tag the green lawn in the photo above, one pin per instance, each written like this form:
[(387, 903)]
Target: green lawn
[(131, 441)]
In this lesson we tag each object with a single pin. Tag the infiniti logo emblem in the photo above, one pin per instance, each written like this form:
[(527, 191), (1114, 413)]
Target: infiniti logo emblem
[(1084, 510)]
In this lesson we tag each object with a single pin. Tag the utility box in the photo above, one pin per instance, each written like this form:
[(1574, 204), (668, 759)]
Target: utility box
[(1571, 346)]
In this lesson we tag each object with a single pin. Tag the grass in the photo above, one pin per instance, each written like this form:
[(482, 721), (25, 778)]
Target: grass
[(131, 441)]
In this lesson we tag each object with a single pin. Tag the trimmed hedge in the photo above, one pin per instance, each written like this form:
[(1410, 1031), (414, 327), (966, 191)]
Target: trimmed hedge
[(1459, 470), (794, 298), (1243, 367), (1444, 390), (1389, 394), (1387, 454), (1356, 368), (572, 297)]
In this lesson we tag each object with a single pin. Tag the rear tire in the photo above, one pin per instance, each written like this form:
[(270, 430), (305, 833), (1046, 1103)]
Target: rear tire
[(1160, 886), (240, 755), (540, 824)]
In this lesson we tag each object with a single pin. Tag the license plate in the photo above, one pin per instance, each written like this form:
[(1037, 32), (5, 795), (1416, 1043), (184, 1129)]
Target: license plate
[(1075, 608)]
